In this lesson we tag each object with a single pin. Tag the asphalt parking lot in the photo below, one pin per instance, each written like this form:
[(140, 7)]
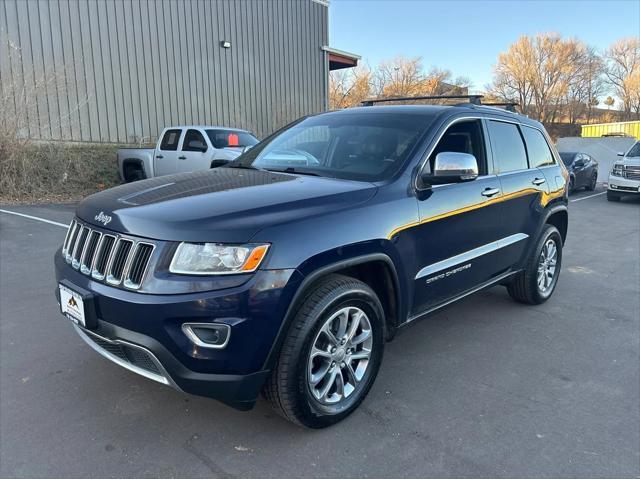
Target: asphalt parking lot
[(486, 388)]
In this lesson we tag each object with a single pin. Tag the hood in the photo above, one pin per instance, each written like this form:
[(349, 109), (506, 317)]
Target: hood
[(629, 161), (227, 205)]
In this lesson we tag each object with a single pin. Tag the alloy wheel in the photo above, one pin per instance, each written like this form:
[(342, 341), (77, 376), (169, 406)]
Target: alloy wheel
[(340, 356), (547, 266)]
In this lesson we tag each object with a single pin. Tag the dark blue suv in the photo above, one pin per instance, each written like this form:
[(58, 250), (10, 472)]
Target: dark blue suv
[(287, 270)]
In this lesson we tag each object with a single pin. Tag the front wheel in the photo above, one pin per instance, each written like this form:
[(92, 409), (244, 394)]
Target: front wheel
[(331, 354), (611, 196), (537, 282), (593, 182)]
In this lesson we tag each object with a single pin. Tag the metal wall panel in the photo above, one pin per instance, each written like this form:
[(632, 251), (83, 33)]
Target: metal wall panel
[(121, 70)]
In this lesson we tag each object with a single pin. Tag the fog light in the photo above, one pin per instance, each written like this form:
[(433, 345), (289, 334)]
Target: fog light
[(207, 335), (613, 187)]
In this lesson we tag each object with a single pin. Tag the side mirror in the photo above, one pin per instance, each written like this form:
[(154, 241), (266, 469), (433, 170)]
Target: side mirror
[(196, 145), (452, 167), (620, 153)]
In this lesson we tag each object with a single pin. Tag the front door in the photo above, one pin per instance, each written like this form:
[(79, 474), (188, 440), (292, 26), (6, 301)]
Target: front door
[(166, 155), (457, 235), (195, 152)]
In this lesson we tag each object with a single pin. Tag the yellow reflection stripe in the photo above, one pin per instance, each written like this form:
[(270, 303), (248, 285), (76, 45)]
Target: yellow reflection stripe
[(545, 198)]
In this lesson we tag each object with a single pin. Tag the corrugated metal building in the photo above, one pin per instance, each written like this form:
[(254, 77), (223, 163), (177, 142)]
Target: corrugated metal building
[(121, 70)]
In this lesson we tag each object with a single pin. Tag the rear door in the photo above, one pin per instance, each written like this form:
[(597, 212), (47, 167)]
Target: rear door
[(524, 186), (166, 155), (195, 152)]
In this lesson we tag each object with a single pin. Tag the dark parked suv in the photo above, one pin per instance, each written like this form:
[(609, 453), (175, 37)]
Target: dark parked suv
[(287, 271)]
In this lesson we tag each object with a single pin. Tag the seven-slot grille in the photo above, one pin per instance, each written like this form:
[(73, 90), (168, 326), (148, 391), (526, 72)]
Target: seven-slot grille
[(632, 172), (106, 256)]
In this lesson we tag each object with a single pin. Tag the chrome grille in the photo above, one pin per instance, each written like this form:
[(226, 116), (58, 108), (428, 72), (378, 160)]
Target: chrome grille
[(632, 172), (107, 257)]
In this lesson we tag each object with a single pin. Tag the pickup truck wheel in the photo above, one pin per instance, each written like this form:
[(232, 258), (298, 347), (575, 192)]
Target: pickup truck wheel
[(133, 173), (539, 279), (611, 196), (331, 354)]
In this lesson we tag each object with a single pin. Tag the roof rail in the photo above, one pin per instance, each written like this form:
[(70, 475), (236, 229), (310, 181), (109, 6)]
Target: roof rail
[(473, 99)]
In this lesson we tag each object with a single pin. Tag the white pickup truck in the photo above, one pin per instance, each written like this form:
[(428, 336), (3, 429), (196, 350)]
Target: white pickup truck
[(624, 178), (184, 148)]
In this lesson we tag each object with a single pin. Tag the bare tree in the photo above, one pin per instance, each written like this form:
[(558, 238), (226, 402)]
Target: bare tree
[(586, 87), (349, 87), (622, 66)]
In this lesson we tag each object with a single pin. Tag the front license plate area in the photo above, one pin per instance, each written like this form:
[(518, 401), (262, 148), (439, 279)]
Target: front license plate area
[(77, 305)]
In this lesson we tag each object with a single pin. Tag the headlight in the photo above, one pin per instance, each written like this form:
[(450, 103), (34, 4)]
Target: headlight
[(213, 258), (618, 170)]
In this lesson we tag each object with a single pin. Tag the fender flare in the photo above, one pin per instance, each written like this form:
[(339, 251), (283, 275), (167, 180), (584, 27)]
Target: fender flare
[(551, 211), (323, 271)]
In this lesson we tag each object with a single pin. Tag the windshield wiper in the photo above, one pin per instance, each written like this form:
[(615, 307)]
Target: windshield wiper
[(291, 169)]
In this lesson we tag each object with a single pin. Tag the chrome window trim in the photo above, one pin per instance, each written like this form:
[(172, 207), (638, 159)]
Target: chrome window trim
[(470, 255), (186, 329), (164, 378), (486, 117)]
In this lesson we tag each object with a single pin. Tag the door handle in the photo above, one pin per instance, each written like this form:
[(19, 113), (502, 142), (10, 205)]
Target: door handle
[(490, 191), (538, 181), (159, 156), (182, 157)]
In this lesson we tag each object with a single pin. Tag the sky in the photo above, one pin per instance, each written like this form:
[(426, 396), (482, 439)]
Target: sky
[(466, 37)]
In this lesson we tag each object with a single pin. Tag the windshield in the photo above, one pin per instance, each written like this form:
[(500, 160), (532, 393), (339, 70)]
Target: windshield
[(231, 138), (567, 158), (635, 151), (354, 146)]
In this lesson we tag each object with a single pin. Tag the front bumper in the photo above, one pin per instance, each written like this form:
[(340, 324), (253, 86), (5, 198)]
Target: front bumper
[(142, 332), (621, 185)]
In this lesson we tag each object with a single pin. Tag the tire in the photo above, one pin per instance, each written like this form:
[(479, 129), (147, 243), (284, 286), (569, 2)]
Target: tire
[(611, 196), (291, 390), (133, 173), (572, 183), (592, 183), (525, 287)]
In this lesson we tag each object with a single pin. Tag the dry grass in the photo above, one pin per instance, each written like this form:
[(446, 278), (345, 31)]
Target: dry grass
[(38, 171), (33, 172)]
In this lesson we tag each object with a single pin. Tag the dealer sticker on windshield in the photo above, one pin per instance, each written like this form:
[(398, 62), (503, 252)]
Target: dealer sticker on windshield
[(71, 305)]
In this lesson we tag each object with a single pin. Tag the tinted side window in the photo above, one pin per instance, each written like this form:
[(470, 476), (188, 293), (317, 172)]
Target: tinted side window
[(170, 140), (194, 141), (230, 138), (537, 147), (462, 137), (508, 147)]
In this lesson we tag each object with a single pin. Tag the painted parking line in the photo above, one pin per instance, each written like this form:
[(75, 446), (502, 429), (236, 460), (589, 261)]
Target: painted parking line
[(62, 225), (590, 196)]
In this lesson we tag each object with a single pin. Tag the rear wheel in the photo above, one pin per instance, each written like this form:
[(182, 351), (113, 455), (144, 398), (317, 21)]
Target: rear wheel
[(611, 196), (592, 183), (133, 173), (331, 354), (539, 279)]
